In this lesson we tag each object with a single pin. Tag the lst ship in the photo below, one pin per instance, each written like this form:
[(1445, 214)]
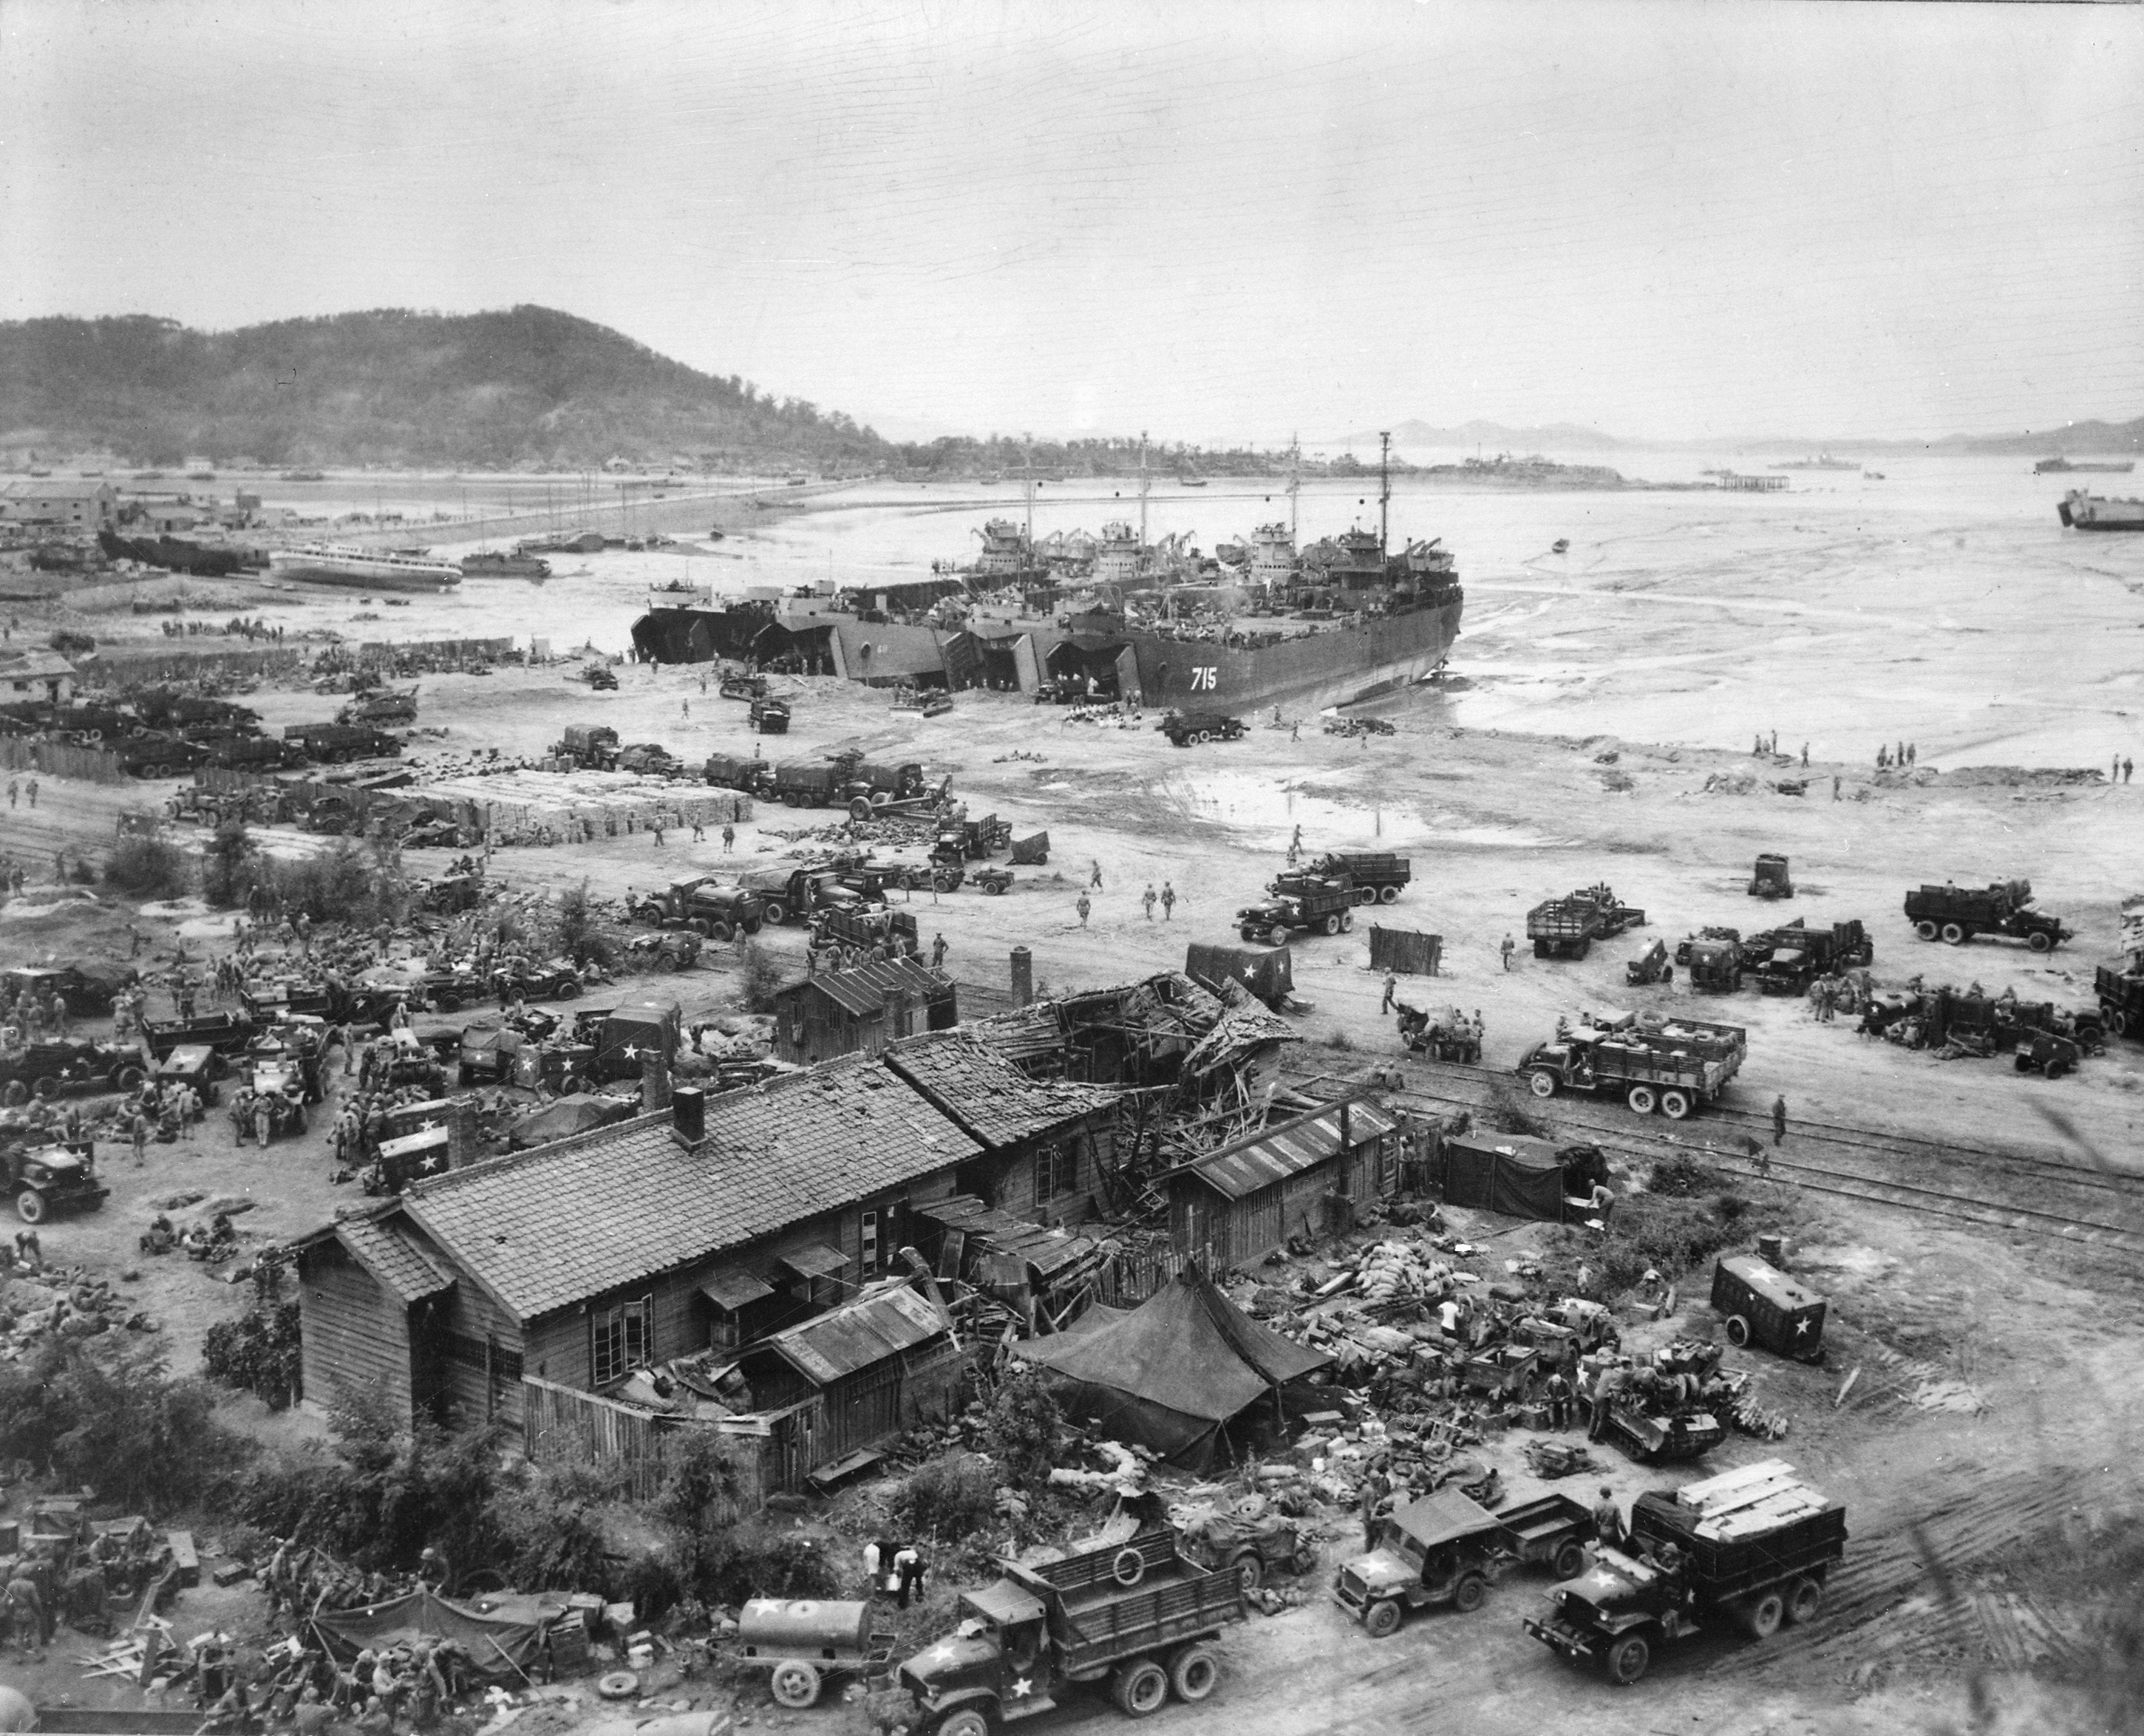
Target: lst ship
[(367, 569)]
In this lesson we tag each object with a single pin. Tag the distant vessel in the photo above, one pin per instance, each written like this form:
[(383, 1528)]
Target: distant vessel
[(305, 476), (1821, 461), (569, 542), (489, 564), (174, 554), (2064, 466), (2081, 511), (1191, 482), (1007, 552), (335, 563)]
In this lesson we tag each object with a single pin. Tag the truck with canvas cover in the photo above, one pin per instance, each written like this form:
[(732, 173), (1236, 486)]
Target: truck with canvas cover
[(1673, 1065), (86, 988), (154, 755), (1566, 928), (621, 1035), (337, 742), (1793, 957), (591, 746), (1185, 728), (767, 716), (1267, 972), (791, 891), (1136, 1615), (739, 772), (867, 927), (806, 783), (2121, 995), (1713, 967), (1751, 1548), (1446, 1548), (1954, 914), (1762, 1306), (43, 1179), (1298, 902), (67, 1063), (1378, 876)]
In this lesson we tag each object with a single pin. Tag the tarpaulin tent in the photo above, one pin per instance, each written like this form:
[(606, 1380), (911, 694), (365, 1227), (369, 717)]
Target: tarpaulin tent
[(1513, 1173), (579, 1113), (502, 1636), (1173, 1374)]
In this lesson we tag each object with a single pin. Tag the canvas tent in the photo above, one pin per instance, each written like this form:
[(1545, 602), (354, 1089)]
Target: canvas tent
[(1175, 1373), (503, 1634), (1513, 1173), (580, 1111)]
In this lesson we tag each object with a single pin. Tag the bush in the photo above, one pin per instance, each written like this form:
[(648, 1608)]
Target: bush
[(742, 1565), (141, 1438), (259, 1353), (1506, 1112), (578, 937), (1681, 1177), (147, 867), (947, 1498), (227, 866), (1670, 1235), (547, 1520), (762, 974), (1020, 1428), (342, 882)]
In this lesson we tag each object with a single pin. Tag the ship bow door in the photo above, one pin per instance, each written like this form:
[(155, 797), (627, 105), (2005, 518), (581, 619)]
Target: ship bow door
[(1023, 658), (1128, 677)]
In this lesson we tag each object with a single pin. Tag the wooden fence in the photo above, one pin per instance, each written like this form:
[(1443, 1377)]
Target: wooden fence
[(629, 1446), (61, 759), (1404, 951), (129, 668)]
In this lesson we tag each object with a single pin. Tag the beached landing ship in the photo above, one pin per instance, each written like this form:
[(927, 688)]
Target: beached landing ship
[(367, 569), (2081, 511)]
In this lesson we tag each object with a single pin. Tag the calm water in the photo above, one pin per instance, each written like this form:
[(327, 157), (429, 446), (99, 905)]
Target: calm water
[(1944, 605)]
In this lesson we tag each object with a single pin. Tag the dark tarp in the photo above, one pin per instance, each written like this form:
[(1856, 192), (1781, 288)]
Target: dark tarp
[(504, 1637), (577, 1113), (1508, 1172), (1443, 1517), (1174, 1373)]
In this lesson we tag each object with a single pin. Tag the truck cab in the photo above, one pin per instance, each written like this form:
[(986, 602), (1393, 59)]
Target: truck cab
[(998, 1662), (1299, 901), (48, 1179)]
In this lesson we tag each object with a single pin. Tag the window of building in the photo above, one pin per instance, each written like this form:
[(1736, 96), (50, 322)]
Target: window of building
[(872, 1257), (1056, 1172), (621, 1339)]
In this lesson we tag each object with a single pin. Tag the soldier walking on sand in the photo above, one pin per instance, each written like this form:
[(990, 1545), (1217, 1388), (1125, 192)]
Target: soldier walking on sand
[(1147, 899), (1094, 879), (1507, 948), (1084, 908), (729, 838), (1391, 984), (1167, 901), (1834, 786), (1778, 1118)]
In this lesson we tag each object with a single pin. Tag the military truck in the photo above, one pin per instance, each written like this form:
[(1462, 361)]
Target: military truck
[(1713, 967), (48, 1179), (1379, 877), (382, 706), (67, 1064), (1184, 728), (1789, 958), (593, 747), (1770, 879), (789, 892), (1137, 1615), (1673, 1065), (2121, 1000), (1299, 902), (1446, 1548), (1566, 928), (1954, 914), (768, 716), (334, 743), (153, 755), (1762, 1306), (86, 988), (739, 772), (867, 927), (1267, 972), (256, 751), (1754, 1546), (712, 910), (227, 1034)]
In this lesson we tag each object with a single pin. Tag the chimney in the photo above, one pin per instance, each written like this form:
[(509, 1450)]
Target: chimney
[(1023, 976), (654, 1081), (688, 1114)]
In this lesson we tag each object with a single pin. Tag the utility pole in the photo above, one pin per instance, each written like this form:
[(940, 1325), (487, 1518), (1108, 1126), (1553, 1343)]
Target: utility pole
[(1384, 493)]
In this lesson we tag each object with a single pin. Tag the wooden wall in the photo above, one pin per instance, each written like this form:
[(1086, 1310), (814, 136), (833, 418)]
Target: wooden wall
[(354, 1335)]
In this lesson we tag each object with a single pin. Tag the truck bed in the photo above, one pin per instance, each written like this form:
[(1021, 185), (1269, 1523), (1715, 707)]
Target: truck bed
[(1535, 1522)]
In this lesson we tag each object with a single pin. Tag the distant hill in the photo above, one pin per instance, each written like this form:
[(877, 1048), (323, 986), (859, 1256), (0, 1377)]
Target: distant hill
[(2071, 439), (1492, 436), (529, 386)]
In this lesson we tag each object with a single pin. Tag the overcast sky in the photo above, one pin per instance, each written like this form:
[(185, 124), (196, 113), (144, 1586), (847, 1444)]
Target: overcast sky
[(1212, 221)]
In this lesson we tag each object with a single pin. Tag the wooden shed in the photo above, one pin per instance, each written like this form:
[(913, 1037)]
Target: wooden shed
[(862, 1010), (1236, 1205), (371, 1302)]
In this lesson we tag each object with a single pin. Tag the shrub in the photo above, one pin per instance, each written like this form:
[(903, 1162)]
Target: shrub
[(578, 937), (947, 1498), (81, 874), (1020, 1428), (148, 865), (547, 1520), (742, 1564), (1506, 1112), (342, 881), (761, 976), (227, 866), (1681, 1177), (139, 1438), (258, 1352)]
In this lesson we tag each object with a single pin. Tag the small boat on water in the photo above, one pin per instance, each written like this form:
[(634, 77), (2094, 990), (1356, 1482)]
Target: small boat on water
[(2067, 466), (489, 564)]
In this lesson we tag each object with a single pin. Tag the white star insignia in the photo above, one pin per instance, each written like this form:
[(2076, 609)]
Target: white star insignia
[(942, 1653), (632, 1052), (1022, 1688), (764, 1606)]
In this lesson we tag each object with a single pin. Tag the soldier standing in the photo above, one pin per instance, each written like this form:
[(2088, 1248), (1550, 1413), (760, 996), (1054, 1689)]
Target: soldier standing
[(938, 952), (1084, 908), (1507, 948), (1147, 899), (1167, 901), (1778, 1118), (1391, 984)]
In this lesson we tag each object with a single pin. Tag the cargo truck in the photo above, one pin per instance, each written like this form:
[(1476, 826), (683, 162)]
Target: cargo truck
[(593, 747), (1448, 1549), (1751, 1547), (1299, 901), (1566, 928), (1138, 1615), (739, 772), (152, 755), (1673, 1065), (1267, 972), (1378, 876), (334, 742), (1789, 958), (2121, 1000), (1954, 914)]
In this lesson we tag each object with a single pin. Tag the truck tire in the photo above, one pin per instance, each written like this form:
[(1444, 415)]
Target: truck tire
[(446, 1001), (1366, 895), (1738, 1331), (1667, 973), (1388, 895), (1140, 1687), (1925, 929), (1250, 1571), (1627, 1660), (1332, 925), (964, 1721), (858, 808), (2117, 1022), (720, 933), (795, 1684), (567, 989), (619, 1684), (30, 1206), (1347, 922), (1471, 1594), (1569, 1560), (1762, 1613), (1805, 1598), (1129, 1568), (1583, 948), (700, 926), (1278, 936), (46, 1088), (1674, 1104), (1955, 934), (1193, 1673), (1541, 1082), (1382, 1618), (126, 1079), (773, 913), (2040, 940), (1643, 1099), (1540, 947)]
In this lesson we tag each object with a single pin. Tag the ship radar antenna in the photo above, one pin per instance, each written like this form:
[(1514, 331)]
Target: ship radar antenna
[(1384, 493)]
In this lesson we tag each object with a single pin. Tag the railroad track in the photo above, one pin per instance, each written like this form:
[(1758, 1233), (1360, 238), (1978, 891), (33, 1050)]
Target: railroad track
[(2096, 1213)]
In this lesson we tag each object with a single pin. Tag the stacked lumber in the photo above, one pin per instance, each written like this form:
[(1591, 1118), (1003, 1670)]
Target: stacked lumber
[(603, 799), (1749, 1502)]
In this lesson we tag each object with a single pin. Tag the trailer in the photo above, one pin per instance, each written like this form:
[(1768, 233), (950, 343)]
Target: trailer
[(1762, 1306), (1267, 972), (1032, 851), (1137, 1615), (1954, 914), (2121, 995), (1379, 876), (1446, 1548), (1754, 1546), (1673, 1065), (805, 1644)]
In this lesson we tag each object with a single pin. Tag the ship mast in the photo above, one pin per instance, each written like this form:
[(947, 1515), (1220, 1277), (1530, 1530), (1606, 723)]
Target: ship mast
[(1143, 487), (1027, 556), (1384, 493), (1294, 484)]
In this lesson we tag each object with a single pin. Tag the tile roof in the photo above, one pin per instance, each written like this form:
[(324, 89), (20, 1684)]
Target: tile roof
[(876, 1325), (865, 988), (386, 1250), (545, 1229), (54, 488), (1263, 1158), (971, 1081), (22, 664)]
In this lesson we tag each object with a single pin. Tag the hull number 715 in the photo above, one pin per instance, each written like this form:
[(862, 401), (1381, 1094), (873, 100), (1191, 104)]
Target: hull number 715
[(1202, 676)]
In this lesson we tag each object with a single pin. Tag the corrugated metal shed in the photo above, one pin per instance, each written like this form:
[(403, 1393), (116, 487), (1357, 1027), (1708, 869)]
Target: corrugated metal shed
[(1239, 1170), (867, 1330), (867, 988)]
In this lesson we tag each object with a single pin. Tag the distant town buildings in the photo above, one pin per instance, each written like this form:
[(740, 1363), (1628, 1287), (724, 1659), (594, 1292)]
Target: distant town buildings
[(72, 502)]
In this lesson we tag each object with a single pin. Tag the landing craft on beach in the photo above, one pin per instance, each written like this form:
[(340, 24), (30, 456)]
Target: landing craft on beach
[(2081, 511)]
